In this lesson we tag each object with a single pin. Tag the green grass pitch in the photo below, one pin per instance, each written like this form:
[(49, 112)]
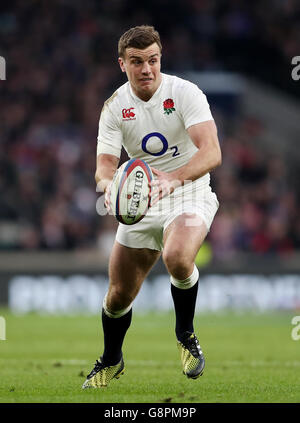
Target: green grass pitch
[(249, 358)]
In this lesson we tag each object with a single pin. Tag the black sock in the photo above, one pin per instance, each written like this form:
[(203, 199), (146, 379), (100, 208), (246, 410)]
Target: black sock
[(114, 330), (184, 304)]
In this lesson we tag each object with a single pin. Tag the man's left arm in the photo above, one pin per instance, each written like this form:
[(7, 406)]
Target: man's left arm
[(204, 136)]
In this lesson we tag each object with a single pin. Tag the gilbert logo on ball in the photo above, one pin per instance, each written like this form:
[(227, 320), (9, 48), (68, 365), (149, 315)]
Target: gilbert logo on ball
[(130, 191)]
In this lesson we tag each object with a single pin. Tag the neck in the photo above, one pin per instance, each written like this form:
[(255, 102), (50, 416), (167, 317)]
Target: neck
[(143, 96), (146, 95)]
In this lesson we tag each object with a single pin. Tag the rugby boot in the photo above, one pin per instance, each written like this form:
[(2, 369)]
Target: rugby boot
[(191, 355), (101, 374)]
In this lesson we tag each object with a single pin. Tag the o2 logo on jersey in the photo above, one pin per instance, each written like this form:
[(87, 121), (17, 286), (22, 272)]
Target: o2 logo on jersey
[(164, 146)]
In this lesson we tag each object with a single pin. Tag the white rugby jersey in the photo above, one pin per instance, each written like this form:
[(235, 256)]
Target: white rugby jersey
[(156, 130)]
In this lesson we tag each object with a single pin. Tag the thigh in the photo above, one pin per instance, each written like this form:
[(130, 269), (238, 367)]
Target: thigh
[(186, 228), (184, 236), (128, 267)]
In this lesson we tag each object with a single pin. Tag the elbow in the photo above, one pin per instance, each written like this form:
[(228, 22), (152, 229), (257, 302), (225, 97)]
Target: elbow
[(215, 153), (218, 159)]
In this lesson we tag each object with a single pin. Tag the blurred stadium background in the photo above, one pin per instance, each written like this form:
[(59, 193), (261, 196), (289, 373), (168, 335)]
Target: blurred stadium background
[(61, 64)]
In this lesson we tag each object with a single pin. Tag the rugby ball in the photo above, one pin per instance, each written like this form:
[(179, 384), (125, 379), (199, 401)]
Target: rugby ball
[(130, 191)]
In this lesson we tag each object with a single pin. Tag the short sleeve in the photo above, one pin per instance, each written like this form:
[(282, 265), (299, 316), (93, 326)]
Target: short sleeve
[(194, 106), (109, 134)]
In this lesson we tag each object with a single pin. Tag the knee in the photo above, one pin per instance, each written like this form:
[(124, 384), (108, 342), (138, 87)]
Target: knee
[(178, 264), (118, 299)]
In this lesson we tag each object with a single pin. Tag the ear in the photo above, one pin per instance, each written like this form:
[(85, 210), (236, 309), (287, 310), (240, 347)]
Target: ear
[(122, 64)]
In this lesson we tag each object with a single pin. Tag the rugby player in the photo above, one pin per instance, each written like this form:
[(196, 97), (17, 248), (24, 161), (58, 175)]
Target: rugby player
[(166, 121)]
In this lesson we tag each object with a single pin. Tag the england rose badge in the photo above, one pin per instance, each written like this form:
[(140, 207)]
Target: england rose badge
[(168, 106)]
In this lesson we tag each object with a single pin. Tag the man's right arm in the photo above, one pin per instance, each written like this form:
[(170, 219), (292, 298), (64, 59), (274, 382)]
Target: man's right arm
[(107, 165)]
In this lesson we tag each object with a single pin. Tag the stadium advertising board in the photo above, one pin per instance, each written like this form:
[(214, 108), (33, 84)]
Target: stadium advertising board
[(79, 293)]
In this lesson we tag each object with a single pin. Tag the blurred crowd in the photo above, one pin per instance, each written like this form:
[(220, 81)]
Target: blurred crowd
[(259, 197), (61, 66)]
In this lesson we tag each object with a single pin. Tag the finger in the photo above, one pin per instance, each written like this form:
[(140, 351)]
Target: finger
[(155, 182), (162, 194), (156, 188), (154, 194), (155, 171), (158, 195), (107, 206), (154, 201), (107, 201)]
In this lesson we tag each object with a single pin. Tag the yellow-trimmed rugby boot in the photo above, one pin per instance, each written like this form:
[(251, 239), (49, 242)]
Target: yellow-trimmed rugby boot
[(191, 355), (101, 375)]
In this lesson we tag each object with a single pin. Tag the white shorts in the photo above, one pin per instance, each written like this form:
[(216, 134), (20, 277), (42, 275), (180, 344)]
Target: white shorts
[(148, 233)]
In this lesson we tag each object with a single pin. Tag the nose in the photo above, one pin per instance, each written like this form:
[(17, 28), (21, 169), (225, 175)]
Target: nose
[(146, 68)]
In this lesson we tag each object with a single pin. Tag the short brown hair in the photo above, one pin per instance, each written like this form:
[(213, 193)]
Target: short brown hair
[(138, 37)]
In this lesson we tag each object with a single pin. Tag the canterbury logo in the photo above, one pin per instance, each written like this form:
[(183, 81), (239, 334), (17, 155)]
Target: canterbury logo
[(128, 114)]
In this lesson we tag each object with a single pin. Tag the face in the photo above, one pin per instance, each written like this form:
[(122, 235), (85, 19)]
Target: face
[(142, 68)]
